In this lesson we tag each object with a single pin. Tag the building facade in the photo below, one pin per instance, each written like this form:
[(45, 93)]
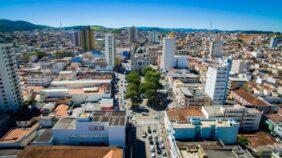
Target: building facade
[(87, 39), (215, 49), (110, 50), (248, 118), (169, 48), (132, 34), (217, 81), (189, 124), (92, 128), (10, 91), (240, 66)]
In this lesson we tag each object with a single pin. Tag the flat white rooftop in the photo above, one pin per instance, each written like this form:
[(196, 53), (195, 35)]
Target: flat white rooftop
[(80, 82)]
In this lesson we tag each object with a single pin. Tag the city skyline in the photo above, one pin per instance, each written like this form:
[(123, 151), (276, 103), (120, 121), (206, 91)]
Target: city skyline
[(168, 14)]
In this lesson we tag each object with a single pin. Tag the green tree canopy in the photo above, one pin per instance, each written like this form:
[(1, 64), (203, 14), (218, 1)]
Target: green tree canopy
[(133, 77)]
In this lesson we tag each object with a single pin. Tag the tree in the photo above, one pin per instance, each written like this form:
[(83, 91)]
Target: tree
[(132, 91), (151, 84), (242, 140), (133, 77)]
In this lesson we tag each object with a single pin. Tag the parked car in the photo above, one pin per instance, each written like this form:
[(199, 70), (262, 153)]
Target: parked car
[(153, 155), (164, 154), (152, 148), (156, 137), (161, 140), (144, 135), (150, 136)]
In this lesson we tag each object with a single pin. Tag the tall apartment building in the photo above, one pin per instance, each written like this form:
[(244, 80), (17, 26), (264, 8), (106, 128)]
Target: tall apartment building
[(110, 50), (77, 38), (169, 48), (274, 42), (153, 37), (10, 91), (217, 81), (240, 66), (215, 49), (87, 39), (132, 34)]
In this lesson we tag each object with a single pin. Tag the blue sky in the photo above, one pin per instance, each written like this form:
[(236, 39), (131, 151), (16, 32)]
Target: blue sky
[(225, 14)]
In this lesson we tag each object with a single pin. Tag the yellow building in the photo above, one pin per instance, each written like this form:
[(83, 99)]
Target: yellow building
[(87, 39)]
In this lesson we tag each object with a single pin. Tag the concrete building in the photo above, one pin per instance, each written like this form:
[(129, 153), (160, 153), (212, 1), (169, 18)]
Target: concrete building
[(18, 137), (92, 128), (248, 118), (10, 91), (217, 81), (77, 95), (169, 48), (70, 152), (191, 97), (153, 37), (81, 83), (273, 122), (132, 34), (67, 75), (274, 42), (87, 39), (181, 61), (39, 79), (215, 49), (240, 66), (110, 50), (241, 81), (76, 38), (190, 124), (246, 99)]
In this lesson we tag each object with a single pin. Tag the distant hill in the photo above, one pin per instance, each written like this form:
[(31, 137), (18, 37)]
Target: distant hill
[(200, 30), (9, 26)]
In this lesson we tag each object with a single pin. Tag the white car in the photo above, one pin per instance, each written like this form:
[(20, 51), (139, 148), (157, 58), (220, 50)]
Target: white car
[(152, 148)]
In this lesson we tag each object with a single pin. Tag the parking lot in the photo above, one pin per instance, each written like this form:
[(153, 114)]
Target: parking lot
[(152, 137)]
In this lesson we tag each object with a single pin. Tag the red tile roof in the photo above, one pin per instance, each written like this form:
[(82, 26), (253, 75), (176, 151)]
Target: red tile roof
[(70, 152), (181, 114), (250, 98)]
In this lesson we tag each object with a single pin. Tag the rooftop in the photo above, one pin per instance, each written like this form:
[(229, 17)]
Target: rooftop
[(65, 123), (61, 110), (81, 82), (260, 139), (276, 118), (250, 98), (45, 136), (70, 152), (16, 134), (181, 114)]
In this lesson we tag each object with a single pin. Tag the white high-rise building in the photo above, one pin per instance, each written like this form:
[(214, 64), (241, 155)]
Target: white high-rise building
[(153, 37), (169, 48), (10, 91), (215, 49), (217, 81), (110, 50)]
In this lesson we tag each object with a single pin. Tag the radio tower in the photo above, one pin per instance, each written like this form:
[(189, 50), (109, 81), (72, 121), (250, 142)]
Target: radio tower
[(60, 24), (211, 26)]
